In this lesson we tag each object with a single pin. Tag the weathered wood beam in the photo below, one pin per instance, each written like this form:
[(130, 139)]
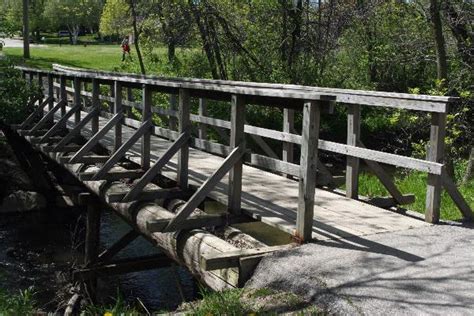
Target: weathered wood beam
[(113, 175), (151, 173), (122, 150), (184, 126), (436, 155), (48, 116), (199, 221), (215, 260), (66, 148), (146, 116), (84, 159), (288, 127), (150, 195), (202, 111), (117, 88), (77, 99), (308, 168), (59, 124), (120, 244), (96, 137), (352, 163), (95, 104), (206, 188), (76, 130), (36, 113), (457, 197), (123, 266)]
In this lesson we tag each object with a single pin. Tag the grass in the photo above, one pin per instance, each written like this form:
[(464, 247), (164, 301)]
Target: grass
[(415, 183), (21, 303)]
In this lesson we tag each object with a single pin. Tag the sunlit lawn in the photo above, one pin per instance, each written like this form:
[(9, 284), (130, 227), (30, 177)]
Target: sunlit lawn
[(103, 57)]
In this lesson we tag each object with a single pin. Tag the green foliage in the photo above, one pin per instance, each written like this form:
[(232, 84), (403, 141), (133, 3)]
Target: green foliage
[(119, 307), (14, 94), (115, 18), (21, 303)]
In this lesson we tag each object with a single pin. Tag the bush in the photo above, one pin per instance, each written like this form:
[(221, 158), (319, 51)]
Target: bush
[(14, 94)]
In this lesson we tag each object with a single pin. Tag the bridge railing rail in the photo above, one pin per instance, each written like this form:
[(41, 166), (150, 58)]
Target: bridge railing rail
[(290, 98)]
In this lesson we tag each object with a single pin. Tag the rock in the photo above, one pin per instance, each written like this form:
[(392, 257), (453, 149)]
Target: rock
[(12, 176), (22, 201)]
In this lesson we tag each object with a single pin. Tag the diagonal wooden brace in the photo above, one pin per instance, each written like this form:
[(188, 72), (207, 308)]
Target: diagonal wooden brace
[(76, 130), (206, 188), (95, 139), (156, 168), (120, 153), (49, 116), (59, 124), (457, 197), (35, 114)]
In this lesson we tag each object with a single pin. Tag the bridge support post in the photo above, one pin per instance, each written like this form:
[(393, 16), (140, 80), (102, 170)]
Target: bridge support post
[(96, 105), (77, 99), (237, 139), (51, 93), (308, 168), (92, 244), (352, 163), (184, 126), (435, 154), (146, 115), (173, 107), (63, 94), (118, 109), (202, 111)]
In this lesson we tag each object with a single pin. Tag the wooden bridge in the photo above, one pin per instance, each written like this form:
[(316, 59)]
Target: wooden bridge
[(156, 177)]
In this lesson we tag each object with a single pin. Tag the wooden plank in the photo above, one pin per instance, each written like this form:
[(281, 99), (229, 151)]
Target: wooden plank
[(275, 165), (92, 239), (122, 150), (84, 159), (59, 124), (214, 260), (202, 111), (95, 138), (122, 266), (385, 179), (76, 130), (113, 175), (352, 163), (146, 116), (199, 221), (150, 195), (95, 104), (36, 113), (48, 116), (156, 168), (288, 127), (77, 99), (435, 154), (237, 139), (118, 109), (457, 198), (173, 99), (120, 244), (66, 148), (184, 127), (206, 187), (308, 168)]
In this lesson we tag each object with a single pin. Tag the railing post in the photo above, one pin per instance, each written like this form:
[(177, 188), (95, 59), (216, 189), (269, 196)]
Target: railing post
[(63, 94), (118, 109), (112, 95), (237, 139), (130, 98), (77, 99), (95, 106), (50, 92), (202, 111), (184, 126), (435, 154), (308, 168), (146, 115), (173, 107), (352, 163), (288, 127), (40, 84)]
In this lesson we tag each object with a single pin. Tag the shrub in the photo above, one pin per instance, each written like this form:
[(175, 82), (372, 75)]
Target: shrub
[(14, 94)]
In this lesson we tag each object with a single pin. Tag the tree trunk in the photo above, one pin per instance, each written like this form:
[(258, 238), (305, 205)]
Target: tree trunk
[(136, 35), (171, 51), (470, 168), (441, 60), (26, 30)]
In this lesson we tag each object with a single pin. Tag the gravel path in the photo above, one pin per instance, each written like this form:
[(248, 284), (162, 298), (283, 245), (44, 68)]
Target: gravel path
[(421, 271), (10, 42)]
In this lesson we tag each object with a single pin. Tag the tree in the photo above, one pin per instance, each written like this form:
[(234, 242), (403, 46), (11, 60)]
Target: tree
[(73, 14), (26, 31)]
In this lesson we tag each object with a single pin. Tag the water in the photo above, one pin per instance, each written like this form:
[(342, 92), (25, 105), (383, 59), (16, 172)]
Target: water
[(39, 249)]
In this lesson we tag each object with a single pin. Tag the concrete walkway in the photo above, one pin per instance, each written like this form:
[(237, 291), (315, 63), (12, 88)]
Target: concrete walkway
[(421, 271), (10, 42)]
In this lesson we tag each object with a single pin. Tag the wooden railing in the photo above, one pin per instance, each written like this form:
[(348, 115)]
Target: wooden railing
[(310, 100)]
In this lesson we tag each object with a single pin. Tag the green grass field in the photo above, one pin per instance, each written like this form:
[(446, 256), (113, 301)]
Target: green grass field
[(104, 57)]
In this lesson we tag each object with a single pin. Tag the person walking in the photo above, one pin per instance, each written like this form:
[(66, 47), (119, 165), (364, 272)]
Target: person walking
[(125, 49)]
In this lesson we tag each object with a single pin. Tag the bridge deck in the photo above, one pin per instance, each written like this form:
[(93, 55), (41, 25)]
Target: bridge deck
[(273, 199)]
